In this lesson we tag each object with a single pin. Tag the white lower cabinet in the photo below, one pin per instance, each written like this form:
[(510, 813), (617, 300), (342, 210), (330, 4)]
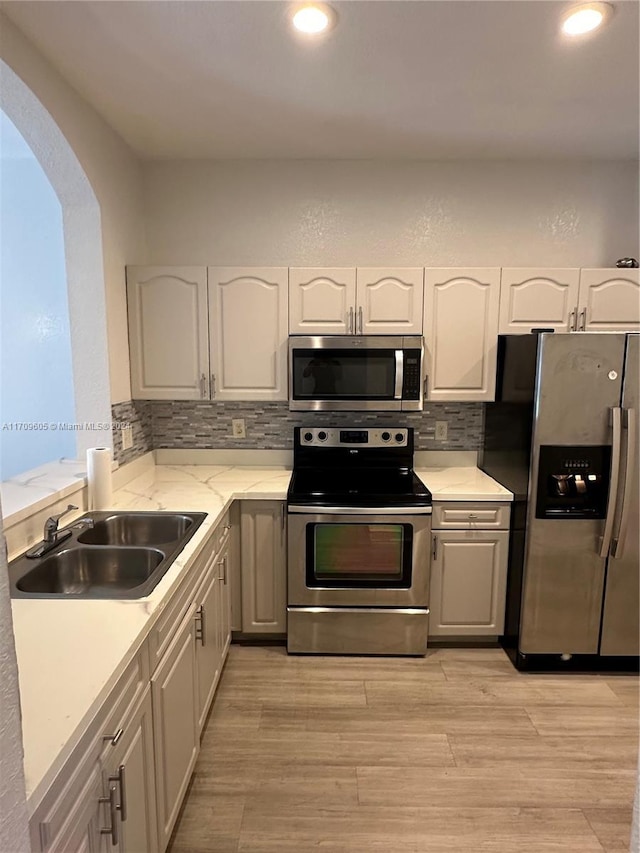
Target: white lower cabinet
[(468, 570), (130, 769), (264, 568), (81, 831), (174, 687)]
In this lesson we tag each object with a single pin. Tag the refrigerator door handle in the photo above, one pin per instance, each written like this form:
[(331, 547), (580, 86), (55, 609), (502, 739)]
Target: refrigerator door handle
[(617, 547), (605, 544)]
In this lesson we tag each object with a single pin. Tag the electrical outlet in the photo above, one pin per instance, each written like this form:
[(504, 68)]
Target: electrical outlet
[(126, 434), (441, 430), (237, 428)]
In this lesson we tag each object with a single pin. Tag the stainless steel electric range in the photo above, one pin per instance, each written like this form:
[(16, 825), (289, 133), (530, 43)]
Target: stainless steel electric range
[(359, 530)]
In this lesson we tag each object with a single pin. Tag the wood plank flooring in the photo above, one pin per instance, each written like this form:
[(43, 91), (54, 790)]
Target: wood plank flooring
[(453, 753)]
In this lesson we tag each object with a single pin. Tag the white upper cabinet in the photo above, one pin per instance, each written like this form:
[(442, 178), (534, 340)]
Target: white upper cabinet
[(248, 332), (349, 301), (168, 332), (460, 330), (389, 301), (538, 299), (609, 300), (322, 301)]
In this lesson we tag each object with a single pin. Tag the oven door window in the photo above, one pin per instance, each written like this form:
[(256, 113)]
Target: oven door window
[(361, 555), (343, 374)]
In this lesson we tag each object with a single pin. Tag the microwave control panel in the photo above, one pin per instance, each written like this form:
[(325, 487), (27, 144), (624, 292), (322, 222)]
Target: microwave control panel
[(411, 379)]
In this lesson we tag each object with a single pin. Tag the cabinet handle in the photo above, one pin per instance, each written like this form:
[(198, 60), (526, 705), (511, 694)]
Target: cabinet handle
[(203, 386), (120, 779), (213, 385), (472, 515), (572, 319), (114, 738), (350, 320), (425, 387), (201, 625), (223, 563), (113, 816), (360, 319), (582, 325), (435, 547)]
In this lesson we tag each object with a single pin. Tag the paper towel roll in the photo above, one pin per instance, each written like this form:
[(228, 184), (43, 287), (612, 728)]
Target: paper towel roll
[(99, 478)]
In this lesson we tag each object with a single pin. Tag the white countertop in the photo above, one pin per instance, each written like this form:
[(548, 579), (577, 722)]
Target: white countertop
[(70, 653), (462, 484)]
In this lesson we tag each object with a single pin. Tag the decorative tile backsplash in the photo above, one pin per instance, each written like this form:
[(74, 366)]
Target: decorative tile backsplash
[(137, 413), (207, 425)]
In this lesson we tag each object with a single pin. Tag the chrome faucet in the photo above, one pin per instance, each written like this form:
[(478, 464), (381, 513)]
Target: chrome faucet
[(51, 536), (51, 525)]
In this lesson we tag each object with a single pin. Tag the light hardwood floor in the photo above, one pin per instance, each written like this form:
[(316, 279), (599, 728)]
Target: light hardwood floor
[(453, 753)]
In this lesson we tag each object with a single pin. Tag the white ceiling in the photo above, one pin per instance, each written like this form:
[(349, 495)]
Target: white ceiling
[(394, 79)]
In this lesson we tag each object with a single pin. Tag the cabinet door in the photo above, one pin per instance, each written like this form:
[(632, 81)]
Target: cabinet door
[(175, 725), (609, 300), (461, 333), (468, 583), (81, 831), (248, 332), (538, 299), (208, 656), (168, 332), (131, 768), (264, 603), (322, 300), (389, 301)]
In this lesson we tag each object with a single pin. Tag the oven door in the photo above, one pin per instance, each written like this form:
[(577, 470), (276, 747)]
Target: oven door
[(369, 557)]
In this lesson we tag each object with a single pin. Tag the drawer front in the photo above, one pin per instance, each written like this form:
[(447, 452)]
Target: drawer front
[(166, 626), (486, 516)]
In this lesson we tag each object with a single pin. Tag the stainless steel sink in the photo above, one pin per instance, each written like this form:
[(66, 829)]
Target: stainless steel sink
[(137, 528), (121, 555), (99, 572)]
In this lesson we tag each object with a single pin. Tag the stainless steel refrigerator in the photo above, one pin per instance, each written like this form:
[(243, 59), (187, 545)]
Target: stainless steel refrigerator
[(563, 436)]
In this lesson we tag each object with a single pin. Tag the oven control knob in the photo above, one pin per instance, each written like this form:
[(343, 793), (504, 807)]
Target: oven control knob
[(322, 435), (308, 436), (386, 436), (399, 437)]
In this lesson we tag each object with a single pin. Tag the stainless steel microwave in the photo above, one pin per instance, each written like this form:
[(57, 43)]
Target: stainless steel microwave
[(344, 374)]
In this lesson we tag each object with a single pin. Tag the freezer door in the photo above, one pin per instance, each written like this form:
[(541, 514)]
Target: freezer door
[(579, 382), (620, 618)]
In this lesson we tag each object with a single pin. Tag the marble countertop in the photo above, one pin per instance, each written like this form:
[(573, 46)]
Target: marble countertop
[(462, 484), (70, 653)]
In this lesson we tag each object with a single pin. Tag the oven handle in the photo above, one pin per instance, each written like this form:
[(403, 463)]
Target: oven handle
[(360, 510)]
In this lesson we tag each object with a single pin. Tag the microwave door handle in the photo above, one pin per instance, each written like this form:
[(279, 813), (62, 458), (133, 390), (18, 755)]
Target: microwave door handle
[(617, 547), (399, 374), (605, 543)]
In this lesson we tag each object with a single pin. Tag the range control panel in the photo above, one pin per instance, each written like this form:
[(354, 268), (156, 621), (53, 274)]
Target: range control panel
[(332, 437)]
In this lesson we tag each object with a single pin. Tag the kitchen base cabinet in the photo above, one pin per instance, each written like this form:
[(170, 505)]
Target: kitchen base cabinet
[(264, 570), (468, 569), (174, 691), (131, 768)]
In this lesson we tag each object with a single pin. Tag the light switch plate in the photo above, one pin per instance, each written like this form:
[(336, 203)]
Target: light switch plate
[(238, 428), (441, 430)]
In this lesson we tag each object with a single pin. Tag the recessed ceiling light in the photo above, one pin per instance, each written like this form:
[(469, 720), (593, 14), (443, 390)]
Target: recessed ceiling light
[(585, 18), (313, 18)]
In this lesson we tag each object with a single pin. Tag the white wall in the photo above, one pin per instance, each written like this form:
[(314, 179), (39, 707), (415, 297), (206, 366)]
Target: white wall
[(14, 821), (114, 174), (422, 213)]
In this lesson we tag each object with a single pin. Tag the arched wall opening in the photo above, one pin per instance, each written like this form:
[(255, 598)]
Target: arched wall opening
[(83, 259)]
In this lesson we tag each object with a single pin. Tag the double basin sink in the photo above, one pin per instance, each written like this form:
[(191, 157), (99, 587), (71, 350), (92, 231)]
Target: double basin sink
[(107, 555)]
